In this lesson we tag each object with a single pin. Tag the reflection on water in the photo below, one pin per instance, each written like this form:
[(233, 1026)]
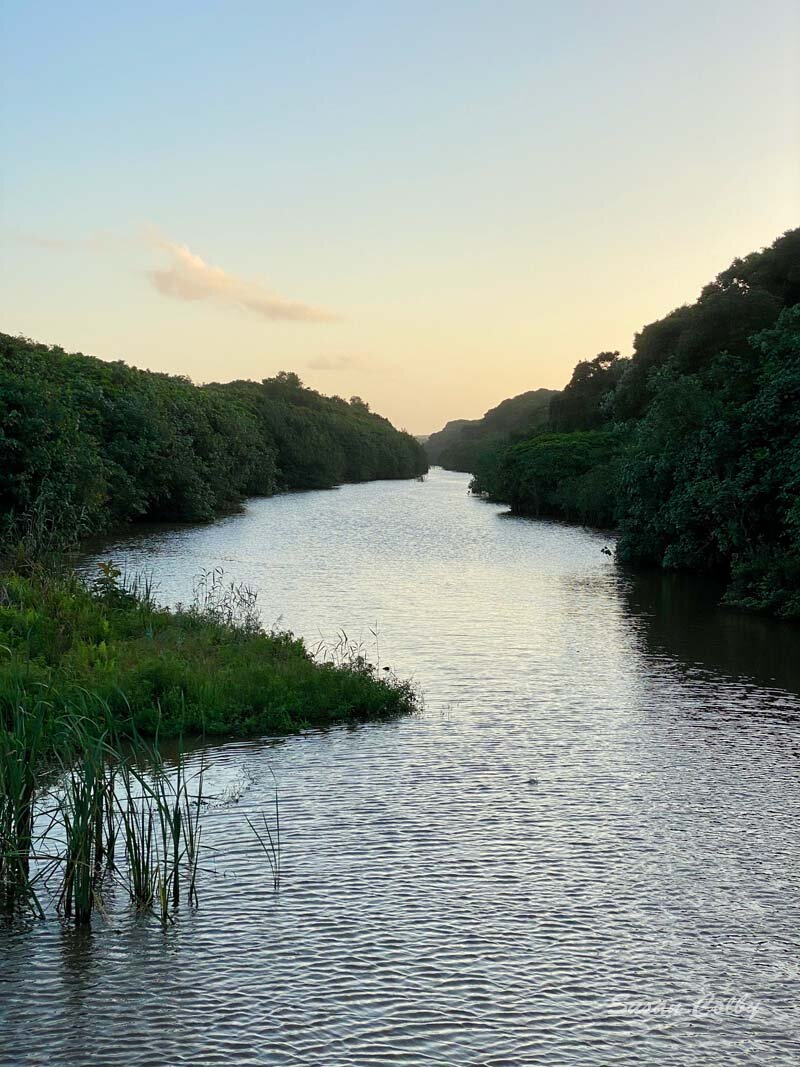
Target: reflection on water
[(582, 852), (681, 619)]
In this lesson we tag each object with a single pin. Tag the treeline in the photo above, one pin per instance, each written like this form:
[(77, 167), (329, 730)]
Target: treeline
[(85, 444), (691, 447), (461, 443)]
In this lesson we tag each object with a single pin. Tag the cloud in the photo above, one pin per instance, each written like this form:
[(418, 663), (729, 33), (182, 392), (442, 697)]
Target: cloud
[(188, 277)]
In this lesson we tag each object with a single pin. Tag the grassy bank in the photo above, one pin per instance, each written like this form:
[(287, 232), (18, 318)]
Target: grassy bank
[(110, 654), (91, 677)]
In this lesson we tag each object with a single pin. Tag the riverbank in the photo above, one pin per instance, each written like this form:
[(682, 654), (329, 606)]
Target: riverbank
[(109, 652), (88, 445)]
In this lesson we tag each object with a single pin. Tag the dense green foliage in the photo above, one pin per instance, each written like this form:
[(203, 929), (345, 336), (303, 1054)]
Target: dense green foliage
[(564, 474), (584, 403), (112, 654), (692, 446), (712, 477), (459, 446), (85, 443)]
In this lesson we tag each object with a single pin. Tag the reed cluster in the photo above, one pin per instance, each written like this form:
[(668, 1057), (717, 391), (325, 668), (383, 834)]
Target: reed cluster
[(109, 812)]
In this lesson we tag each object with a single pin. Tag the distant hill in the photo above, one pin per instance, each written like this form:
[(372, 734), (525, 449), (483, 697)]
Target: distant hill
[(457, 444), (437, 443)]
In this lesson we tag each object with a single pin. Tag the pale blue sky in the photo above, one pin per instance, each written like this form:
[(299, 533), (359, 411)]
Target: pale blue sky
[(463, 198)]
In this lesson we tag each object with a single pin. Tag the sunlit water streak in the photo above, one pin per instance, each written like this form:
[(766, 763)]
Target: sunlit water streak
[(582, 852)]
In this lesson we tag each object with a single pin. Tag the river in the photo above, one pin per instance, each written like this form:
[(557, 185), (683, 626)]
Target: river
[(582, 852)]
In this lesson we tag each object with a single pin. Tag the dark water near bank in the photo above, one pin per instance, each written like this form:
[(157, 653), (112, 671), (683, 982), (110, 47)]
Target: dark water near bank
[(584, 852)]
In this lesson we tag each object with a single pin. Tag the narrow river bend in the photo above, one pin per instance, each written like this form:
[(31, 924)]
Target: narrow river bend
[(582, 852)]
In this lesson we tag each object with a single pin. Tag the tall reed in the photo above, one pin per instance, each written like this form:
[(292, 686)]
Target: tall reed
[(270, 841), (159, 816), (22, 740), (84, 801)]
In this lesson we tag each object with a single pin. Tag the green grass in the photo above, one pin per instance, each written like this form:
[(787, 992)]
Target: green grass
[(110, 654)]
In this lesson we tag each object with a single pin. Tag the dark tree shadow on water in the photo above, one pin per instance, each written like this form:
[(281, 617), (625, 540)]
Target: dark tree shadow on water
[(679, 616)]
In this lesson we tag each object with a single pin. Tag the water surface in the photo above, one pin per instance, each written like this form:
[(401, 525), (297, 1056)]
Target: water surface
[(583, 852)]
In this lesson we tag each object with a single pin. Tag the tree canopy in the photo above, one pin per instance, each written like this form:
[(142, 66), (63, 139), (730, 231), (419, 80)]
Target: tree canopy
[(86, 443)]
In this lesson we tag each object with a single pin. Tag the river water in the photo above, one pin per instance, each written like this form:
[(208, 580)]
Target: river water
[(582, 852)]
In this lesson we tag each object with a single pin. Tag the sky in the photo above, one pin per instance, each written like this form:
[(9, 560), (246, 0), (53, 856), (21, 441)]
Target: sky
[(433, 206)]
